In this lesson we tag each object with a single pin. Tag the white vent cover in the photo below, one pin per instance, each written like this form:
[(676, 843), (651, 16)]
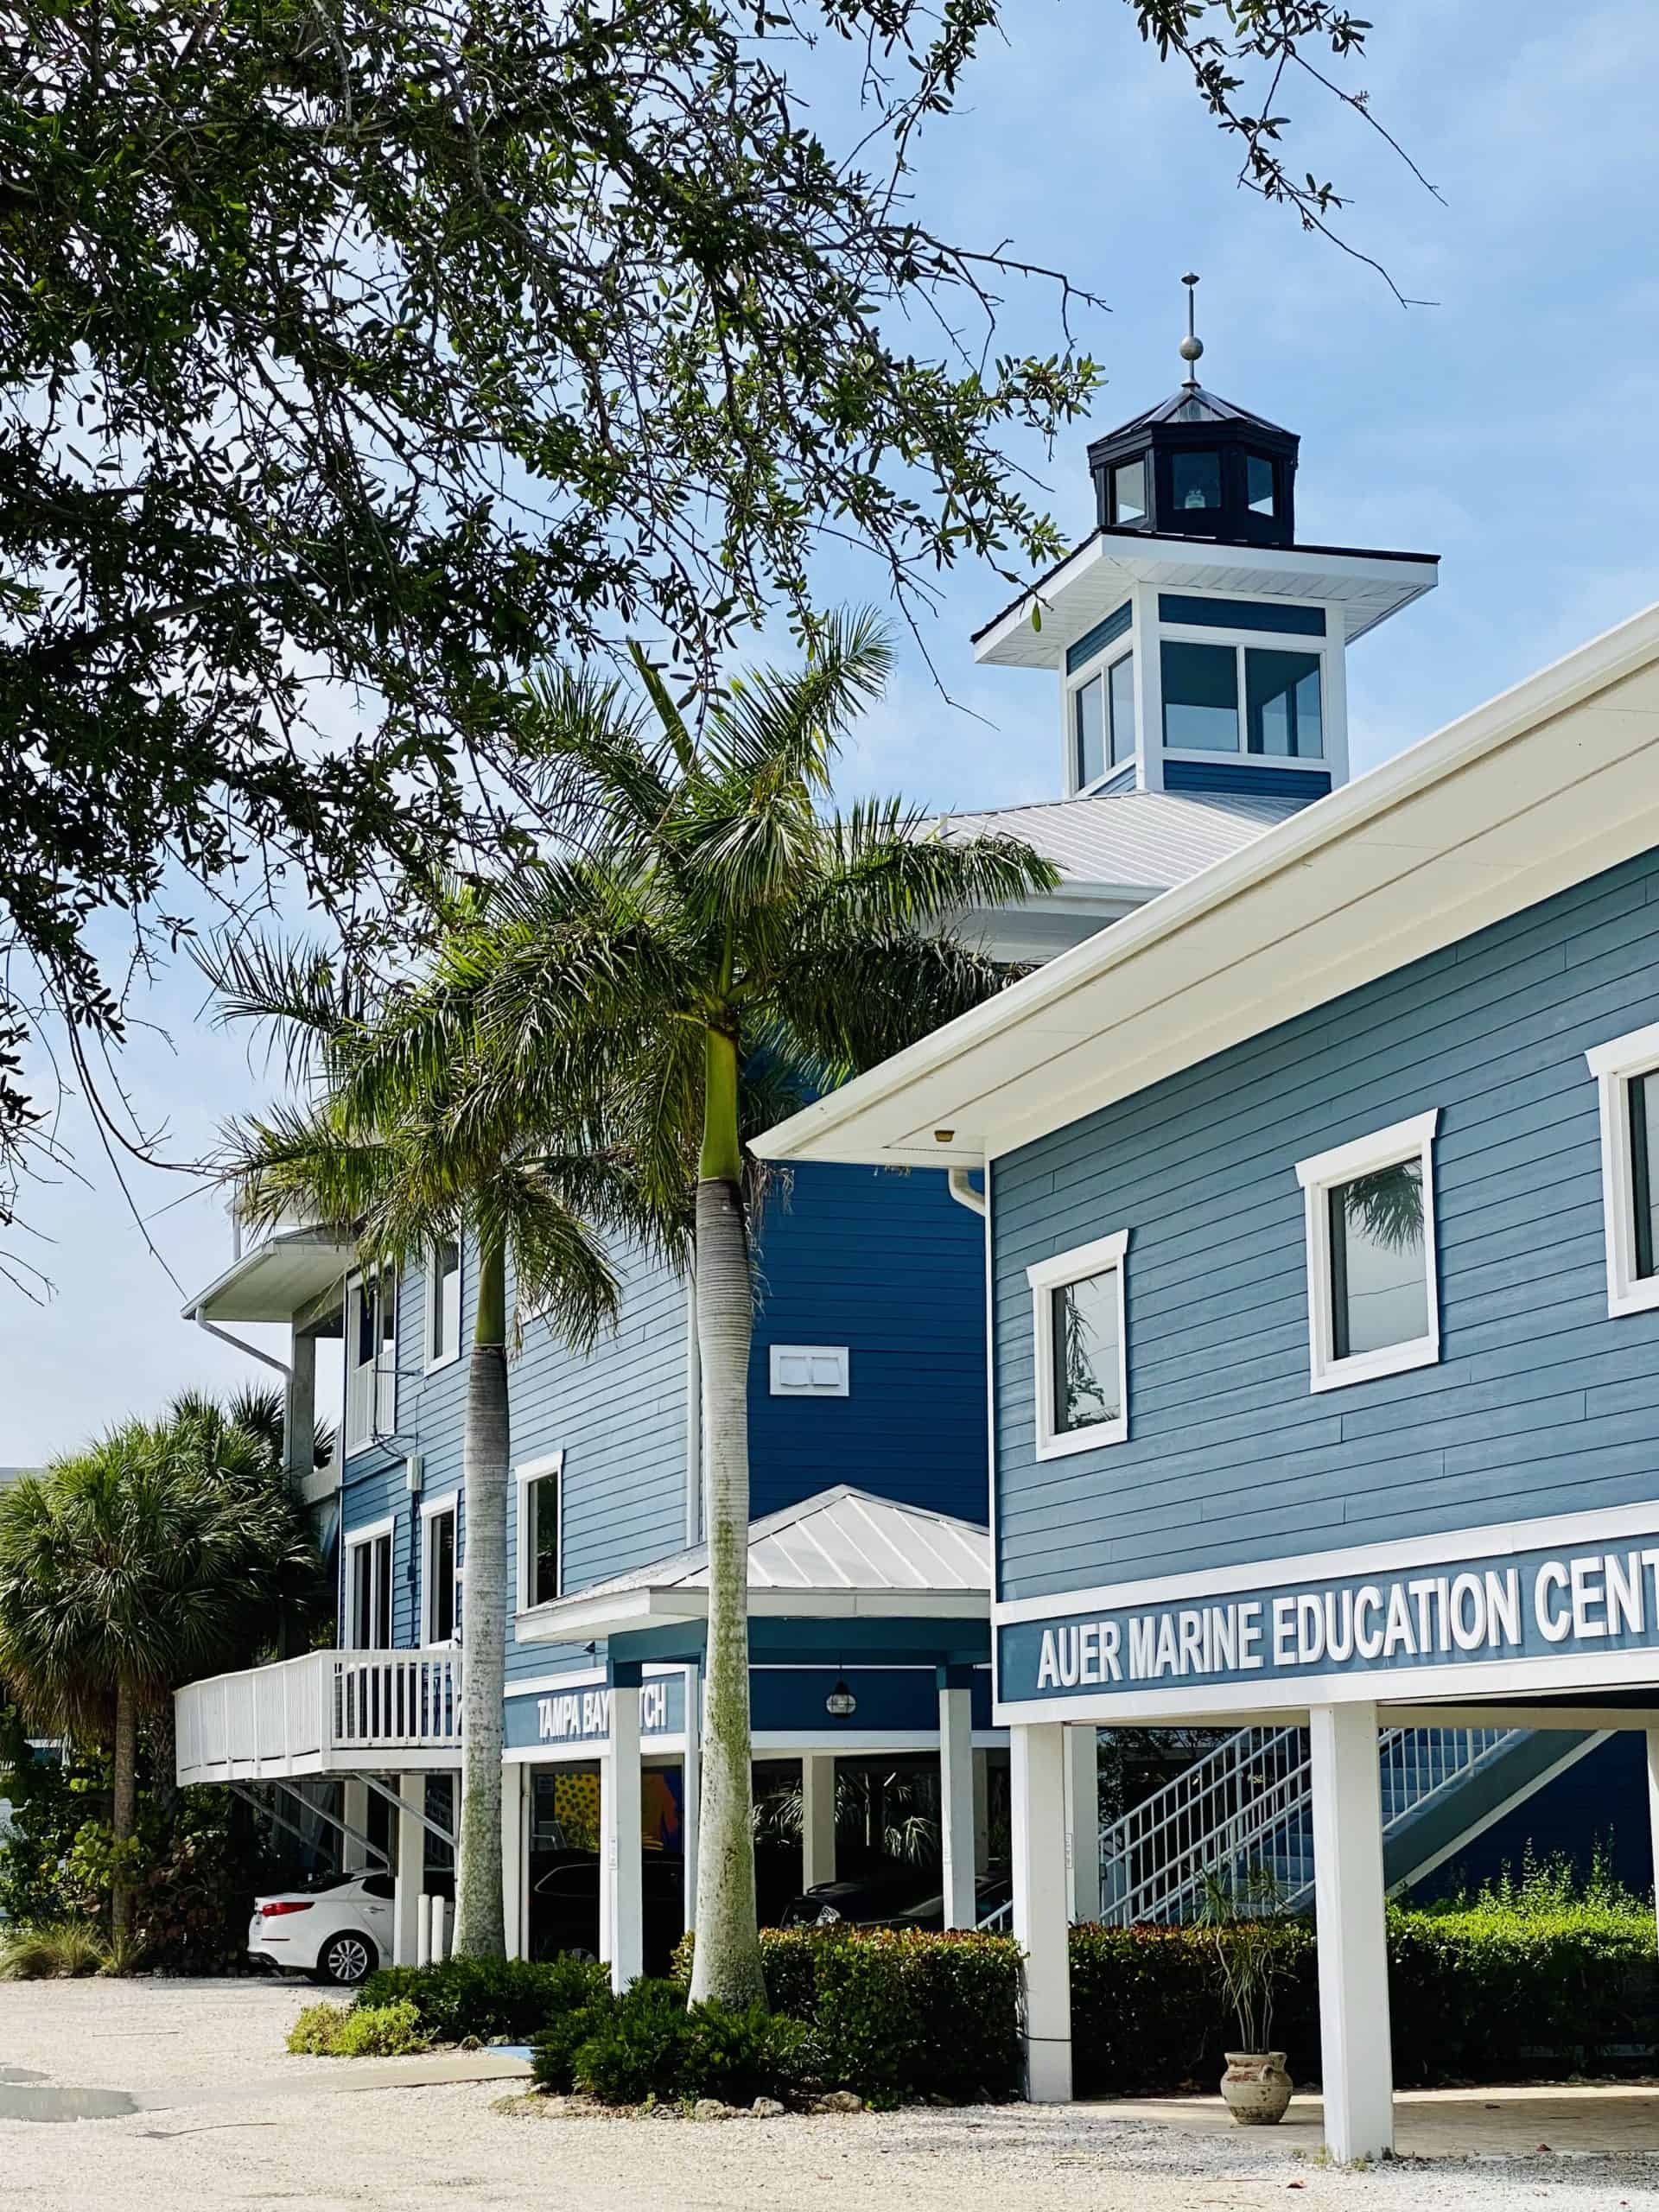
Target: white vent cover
[(809, 1371)]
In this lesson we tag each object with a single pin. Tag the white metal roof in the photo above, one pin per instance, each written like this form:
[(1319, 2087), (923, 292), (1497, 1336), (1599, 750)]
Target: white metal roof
[(1541, 788), (842, 1553), (272, 1281), (1138, 841)]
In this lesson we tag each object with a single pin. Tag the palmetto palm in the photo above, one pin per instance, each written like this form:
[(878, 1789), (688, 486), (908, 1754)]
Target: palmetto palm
[(376, 1154), (710, 930), (128, 1568)]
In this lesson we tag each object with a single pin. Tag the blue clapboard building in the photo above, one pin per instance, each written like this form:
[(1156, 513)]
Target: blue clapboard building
[(1323, 1234)]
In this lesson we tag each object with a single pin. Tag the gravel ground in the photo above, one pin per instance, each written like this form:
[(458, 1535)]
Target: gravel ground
[(430, 2149)]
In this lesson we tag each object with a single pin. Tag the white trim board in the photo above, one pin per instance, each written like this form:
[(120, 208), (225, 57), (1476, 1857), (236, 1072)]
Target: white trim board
[(1613, 1523)]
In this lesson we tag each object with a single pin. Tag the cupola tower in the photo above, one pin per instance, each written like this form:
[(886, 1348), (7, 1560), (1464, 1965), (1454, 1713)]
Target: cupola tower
[(1199, 647)]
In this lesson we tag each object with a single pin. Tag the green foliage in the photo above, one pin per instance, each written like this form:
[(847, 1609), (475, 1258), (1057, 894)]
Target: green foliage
[(1242, 1912), (358, 2031), (1148, 2017), (57, 1950), (899, 2014), (516, 1997), (649, 2045)]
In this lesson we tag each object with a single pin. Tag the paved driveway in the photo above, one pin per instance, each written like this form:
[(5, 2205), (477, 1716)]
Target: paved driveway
[(228, 2120)]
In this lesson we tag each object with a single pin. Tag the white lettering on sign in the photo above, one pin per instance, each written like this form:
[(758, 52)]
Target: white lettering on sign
[(579, 1716), (1476, 1609)]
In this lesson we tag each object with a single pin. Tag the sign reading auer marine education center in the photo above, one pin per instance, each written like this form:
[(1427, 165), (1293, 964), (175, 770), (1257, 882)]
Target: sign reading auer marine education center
[(1545, 1604)]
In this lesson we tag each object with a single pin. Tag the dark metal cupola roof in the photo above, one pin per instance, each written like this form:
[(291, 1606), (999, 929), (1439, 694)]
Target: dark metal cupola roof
[(1197, 466)]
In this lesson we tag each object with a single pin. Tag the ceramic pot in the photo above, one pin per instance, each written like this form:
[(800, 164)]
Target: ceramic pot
[(1255, 2087)]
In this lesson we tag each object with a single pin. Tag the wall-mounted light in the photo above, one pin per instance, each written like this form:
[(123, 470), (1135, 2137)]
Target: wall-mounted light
[(841, 1704)]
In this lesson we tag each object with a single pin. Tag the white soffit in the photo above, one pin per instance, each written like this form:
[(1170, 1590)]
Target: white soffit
[(1545, 785), (271, 1283)]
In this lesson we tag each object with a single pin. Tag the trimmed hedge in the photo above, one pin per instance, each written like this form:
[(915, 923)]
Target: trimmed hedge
[(1147, 2016), (515, 1997), (649, 2044), (900, 2013)]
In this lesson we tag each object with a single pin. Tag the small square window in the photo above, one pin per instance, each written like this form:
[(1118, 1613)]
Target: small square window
[(1373, 1304), (1200, 696), (1120, 685), (1078, 1319), (810, 1370), (1626, 1070), (1129, 491), (1195, 480), (1259, 483), (1282, 696)]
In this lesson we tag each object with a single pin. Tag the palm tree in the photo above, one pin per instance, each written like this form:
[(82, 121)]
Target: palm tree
[(124, 1571), (376, 1154), (711, 931)]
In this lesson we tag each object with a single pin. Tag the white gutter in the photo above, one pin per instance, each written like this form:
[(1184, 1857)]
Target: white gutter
[(959, 1182)]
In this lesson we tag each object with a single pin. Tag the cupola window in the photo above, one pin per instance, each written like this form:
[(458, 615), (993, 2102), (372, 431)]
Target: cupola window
[(1200, 697), (1129, 491), (1195, 480), (1282, 704), (1102, 711), (1259, 485)]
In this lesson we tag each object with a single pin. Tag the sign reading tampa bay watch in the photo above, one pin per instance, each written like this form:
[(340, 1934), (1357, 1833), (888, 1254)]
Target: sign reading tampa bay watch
[(1520, 1606)]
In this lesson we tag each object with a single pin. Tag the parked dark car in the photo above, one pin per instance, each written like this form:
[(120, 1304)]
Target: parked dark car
[(564, 1906), (888, 1899)]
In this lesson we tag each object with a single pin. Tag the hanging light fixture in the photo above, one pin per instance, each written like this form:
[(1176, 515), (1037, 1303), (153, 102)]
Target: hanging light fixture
[(841, 1704)]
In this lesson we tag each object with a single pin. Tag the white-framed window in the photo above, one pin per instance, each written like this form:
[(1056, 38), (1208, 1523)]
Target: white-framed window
[(541, 1530), (1079, 1321), (1626, 1070), (440, 1575), (1373, 1289), (1263, 695), (368, 1587), (810, 1370), (1100, 719), (443, 1303), (371, 1358)]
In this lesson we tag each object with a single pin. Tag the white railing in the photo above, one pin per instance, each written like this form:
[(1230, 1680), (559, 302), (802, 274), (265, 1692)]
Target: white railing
[(1248, 1803), (295, 1715)]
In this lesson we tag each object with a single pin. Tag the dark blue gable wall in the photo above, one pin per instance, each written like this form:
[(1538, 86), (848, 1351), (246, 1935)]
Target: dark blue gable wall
[(889, 1264), (1541, 1404)]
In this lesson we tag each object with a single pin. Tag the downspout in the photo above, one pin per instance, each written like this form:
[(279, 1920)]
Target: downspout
[(962, 1189), (237, 1344)]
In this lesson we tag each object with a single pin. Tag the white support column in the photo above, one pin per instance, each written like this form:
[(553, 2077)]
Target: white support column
[(620, 1882), (817, 1819), (514, 1862), (1653, 1805), (354, 1811), (1082, 1824), (1036, 1775), (691, 1789), (956, 1796), (1356, 2063), (982, 1811), (410, 1872)]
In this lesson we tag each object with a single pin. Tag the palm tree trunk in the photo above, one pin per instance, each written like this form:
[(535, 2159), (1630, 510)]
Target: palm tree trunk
[(480, 1928), (123, 1810), (726, 1961)]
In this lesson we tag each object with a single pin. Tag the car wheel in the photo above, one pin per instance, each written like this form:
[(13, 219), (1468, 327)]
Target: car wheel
[(346, 1960)]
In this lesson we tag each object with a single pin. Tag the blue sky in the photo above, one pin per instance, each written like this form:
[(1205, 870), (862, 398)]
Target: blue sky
[(1510, 428)]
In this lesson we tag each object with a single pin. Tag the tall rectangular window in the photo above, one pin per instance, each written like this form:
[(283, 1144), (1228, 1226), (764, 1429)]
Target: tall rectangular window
[(443, 1302), (371, 1359), (1078, 1310), (368, 1576), (1626, 1070), (1089, 731), (1120, 688), (540, 1532), (1282, 704), (1373, 1305), (438, 1575), (1200, 696)]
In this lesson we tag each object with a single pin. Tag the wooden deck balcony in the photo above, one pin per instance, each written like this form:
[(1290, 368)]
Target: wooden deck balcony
[(326, 1712)]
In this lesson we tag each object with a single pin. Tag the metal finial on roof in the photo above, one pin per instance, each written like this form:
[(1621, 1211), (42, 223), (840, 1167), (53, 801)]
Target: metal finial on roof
[(1191, 346)]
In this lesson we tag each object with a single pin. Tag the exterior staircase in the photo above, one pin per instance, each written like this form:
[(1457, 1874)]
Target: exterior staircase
[(1248, 1803)]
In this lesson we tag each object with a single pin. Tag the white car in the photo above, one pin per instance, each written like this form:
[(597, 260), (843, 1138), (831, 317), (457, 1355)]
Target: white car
[(337, 1928)]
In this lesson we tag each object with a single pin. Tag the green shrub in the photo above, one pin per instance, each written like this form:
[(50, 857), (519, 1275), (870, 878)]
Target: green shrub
[(1148, 2015), (57, 1950), (649, 2044), (391, 2030), (515, 1997)]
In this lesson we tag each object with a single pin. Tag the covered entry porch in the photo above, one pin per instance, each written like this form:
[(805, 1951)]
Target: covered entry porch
[(869, 1640)]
